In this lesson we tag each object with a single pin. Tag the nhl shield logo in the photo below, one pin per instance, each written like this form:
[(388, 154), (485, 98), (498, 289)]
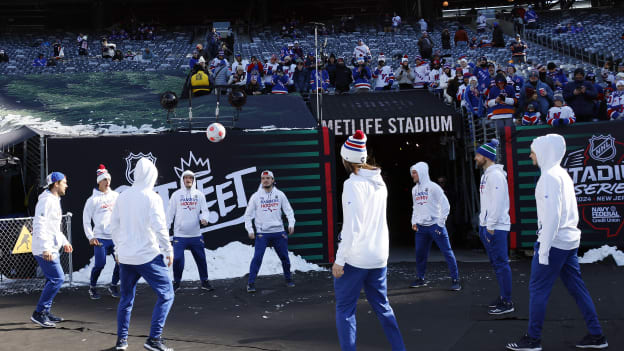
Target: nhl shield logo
[(131, 161), (602, 148)]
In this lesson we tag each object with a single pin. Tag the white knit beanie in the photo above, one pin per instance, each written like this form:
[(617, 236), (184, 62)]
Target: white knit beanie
[(102, 173), (354, 149)]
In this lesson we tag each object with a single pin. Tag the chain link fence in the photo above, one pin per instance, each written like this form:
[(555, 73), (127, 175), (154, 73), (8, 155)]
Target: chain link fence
[(19, 271)]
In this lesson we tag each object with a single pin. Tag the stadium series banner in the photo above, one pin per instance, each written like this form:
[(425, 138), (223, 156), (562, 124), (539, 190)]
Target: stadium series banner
[(228, 173), (594, 160)]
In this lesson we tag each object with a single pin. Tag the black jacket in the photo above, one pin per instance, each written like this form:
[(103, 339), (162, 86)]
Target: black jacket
[(342, 77)]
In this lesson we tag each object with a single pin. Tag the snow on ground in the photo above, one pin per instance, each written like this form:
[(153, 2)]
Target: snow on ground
[(599, 254), (229, 261)]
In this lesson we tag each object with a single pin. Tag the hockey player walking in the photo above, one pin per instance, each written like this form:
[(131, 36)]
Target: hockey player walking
[(98, 209), (265, 208), (187, 209)]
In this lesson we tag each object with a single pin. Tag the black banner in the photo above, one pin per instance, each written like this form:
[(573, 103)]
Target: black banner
[(594, 160), (227, 173)]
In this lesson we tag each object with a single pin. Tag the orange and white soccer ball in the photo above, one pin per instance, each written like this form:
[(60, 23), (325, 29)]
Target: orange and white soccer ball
[(215, 132)]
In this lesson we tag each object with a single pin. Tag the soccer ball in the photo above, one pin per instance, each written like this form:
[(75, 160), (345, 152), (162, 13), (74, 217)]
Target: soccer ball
[(215, 132)]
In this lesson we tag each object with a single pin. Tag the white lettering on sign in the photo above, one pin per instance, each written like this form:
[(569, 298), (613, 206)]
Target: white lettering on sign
[(393, 125)]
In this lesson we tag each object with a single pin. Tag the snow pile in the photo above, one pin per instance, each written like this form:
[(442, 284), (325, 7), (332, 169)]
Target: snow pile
[(229, 261), (599, 254)]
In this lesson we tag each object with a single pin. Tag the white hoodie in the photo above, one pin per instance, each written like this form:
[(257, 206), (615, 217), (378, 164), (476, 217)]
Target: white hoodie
[(557, 211), (266, 211), (99, 208), (47, 235), (185, 206), (494, 199), (138, 223), (365, 239), (430, 204)]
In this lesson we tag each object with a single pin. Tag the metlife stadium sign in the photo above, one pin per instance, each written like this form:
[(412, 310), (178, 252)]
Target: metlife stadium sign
[(594, 159)]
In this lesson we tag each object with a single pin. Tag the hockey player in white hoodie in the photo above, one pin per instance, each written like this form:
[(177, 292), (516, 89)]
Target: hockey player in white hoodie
[(47, 240), (430, 210), (141, 239), (362, 257), (187, 209), (494, 223), (265, 208), (558, 239), (99, 209)]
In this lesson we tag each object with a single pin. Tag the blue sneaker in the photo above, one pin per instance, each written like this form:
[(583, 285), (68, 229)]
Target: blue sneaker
[(114, 290), (93, 294), (121, 344), (290, 283), (455, 286), (502, 308), (526, 343), (156, 344), (593, 342), (205, 285), (418, 283), (41, 319), (53, 318), (251, 288)]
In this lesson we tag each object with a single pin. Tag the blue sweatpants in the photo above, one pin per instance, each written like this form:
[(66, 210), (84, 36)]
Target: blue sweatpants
[(423, 238), (496, 248), (100, 253), (348, 289), (196, 245), (55, 277), (156, 274), (564, 264), (279, 241)]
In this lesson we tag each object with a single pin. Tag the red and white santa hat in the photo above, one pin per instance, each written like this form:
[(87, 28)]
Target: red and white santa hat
[(354, 149), (102, 173), (267, 173), (404, 59)]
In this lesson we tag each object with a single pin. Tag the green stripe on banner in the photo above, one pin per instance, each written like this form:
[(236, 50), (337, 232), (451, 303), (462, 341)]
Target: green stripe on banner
[(533, 127), (527, 150), (301, 177), (525, 163), (287, 143), (526, 186), (524, 197), (302, 188), (313, 257), (304, 200), (307, 235), (285, 154), (292, 166), (567, 136), (307, 223), (528, 174), (529, 244), (305, 246), (529, 220), (592, 243), (311, 211), (298, 131), (528, 209), (528, 232)]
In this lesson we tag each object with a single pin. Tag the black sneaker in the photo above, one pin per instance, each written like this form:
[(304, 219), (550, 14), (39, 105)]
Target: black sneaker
[(502, 308), (418, 283), (156, 344), (526, 343), (205, 285), (290, 283), (53, 318), (114, 290), (251, 288), (121, 344), (176, 286), (593, 342), (41, 319), (455, 286), (495, 303), (93, 294)]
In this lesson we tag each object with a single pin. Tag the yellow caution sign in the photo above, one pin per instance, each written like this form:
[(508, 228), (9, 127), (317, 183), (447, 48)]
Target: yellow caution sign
[(24, 242)]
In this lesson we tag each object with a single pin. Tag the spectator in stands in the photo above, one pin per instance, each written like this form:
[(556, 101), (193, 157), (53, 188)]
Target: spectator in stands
[(362, 76), (421, 73), (464, 67), (3, 56), (560, 28), (342, 77), (446, 39), (472, 99), (461, 90), (461, 37), (434, 76), (289, 70), (201, 52), (425, 46), (298, 51), (383, 76), (615, 102), (319, 80), (40, 61), (108, 49), (255, 66), (543, 76), (556, 74), (387, 23), (396, 22), (530, 18), (226, 50), (270, 68), (221, 73), (600, 105), (147, 55), (531, 116), (423, 25), (518, 51), (498, 39), (501, 102), (119, 56), (219, 60), (238, 61), (285, 33), (536, 92), (577, 29), (200, 81), (445, 76), (130, 55), (516, 80), (331, 66), (481, 23), (287, 50), (518, 19), (362, 50), (83, 46), (579, 95), (560, 115), (59, 52), (453, 86), (254, 85), (280, 82), (300, 79), (404, 75), (194, 59), (239, 77)]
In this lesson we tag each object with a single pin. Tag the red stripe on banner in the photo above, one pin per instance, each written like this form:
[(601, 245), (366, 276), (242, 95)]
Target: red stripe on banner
[(330, 213), (513, 239), (326, 141)]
